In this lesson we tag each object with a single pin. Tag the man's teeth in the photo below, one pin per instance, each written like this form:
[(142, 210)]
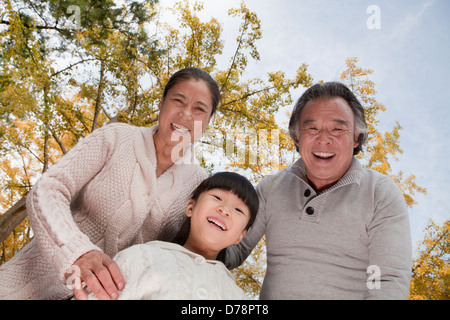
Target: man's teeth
[(217, 223), (323, 154), (179, 127)]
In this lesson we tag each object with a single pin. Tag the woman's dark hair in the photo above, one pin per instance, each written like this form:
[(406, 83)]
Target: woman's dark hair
[(197, 74), (229, 181), (330, 90)]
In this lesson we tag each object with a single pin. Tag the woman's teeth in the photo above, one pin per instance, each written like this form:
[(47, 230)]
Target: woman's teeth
[(179, 128)]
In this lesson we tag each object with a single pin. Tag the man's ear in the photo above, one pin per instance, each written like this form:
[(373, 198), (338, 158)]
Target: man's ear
[(160, 105), (241, 237), (297, 143), (190, 208), (356, 144)]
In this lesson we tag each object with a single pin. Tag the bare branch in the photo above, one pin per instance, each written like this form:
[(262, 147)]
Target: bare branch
[(11, 218), (98, 100), (60, 144), (235, 55), (71, 66)]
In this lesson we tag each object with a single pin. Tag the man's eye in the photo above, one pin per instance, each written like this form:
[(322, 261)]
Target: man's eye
[(338, 130)]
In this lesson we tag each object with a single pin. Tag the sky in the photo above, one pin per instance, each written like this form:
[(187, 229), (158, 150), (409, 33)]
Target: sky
[(406, 43)]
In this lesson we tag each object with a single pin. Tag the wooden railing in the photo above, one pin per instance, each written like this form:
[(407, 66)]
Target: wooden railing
[(12, 218)]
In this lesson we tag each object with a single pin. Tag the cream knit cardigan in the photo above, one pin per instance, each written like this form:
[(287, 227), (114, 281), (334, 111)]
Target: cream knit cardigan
[(102, 195), (160, 270)]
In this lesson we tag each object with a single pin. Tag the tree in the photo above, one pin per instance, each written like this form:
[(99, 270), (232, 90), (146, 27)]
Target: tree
[(381, 148), (250, 275), (379, 151), (247, 106), (431, 269), (47, 103), (113, 71)]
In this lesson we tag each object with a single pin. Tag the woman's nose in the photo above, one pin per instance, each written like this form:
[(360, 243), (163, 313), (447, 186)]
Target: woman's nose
[(186, 112)]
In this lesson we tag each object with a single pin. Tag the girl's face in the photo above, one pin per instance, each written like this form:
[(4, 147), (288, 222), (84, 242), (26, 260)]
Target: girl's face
[(218, 219), (185, 112)]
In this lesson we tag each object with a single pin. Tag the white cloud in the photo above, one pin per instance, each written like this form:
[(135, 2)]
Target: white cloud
[(405, 28)]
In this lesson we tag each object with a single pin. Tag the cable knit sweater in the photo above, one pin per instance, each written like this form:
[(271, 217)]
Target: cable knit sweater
[(163, 270), (102, 195)]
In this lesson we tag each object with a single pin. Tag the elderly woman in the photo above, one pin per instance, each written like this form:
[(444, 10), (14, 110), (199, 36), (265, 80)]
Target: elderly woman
[(122, 185), (334, 229)]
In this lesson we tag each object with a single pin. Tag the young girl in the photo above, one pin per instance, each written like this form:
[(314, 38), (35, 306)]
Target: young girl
[(220, 211)]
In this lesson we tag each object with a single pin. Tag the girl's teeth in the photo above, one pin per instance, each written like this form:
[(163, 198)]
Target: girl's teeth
[(213, 221)]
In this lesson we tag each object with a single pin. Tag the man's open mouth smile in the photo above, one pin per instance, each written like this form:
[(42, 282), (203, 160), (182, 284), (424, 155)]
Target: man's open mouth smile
[(324, 155)]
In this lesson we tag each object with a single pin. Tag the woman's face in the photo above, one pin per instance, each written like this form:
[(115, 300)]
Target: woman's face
[(185, 112)]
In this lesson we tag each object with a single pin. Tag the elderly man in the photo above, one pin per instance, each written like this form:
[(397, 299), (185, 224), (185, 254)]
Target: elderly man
[(334, 229)]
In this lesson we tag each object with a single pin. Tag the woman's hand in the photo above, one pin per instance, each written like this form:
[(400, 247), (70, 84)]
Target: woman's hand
[(100, 273)]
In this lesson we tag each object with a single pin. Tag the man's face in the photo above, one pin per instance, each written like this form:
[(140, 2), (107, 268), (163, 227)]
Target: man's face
[(326, 140)]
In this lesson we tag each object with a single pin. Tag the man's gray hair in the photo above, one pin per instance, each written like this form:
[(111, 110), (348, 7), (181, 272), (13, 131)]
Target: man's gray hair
[(330, 90)]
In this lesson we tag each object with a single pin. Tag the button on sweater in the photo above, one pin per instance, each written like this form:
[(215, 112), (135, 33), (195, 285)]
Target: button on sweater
[(102, 195)]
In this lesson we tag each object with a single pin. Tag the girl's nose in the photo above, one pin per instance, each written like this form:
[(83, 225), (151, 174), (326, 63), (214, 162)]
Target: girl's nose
[(224, 210)]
